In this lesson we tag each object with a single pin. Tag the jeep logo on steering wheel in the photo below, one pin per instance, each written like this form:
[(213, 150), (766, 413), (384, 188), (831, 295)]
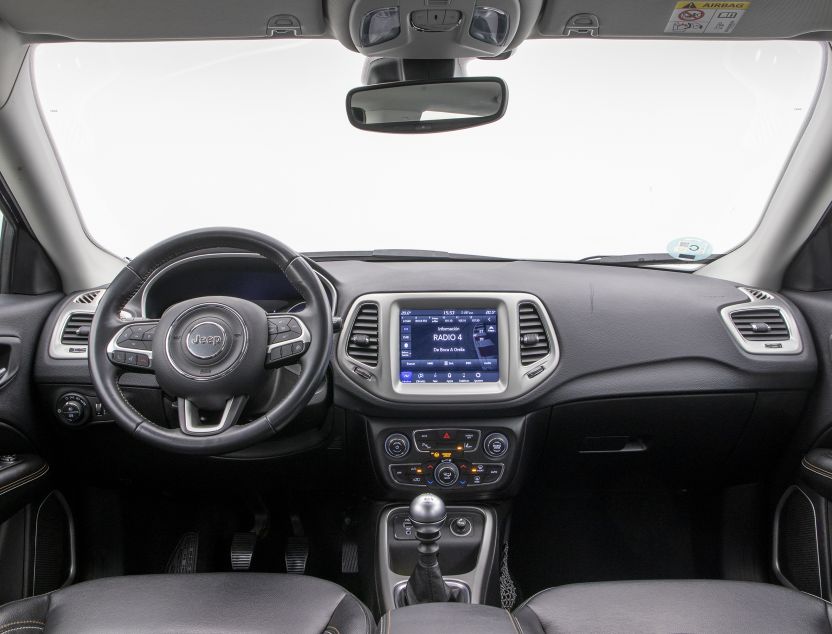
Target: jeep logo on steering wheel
[(206, 340)]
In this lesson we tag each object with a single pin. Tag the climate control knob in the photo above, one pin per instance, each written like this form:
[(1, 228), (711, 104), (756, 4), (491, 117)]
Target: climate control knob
[(397, 445), (446, 474), (496, 445)]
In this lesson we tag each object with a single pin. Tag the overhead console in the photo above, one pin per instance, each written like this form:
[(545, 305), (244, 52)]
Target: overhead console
[(439, 29), (448, 346)]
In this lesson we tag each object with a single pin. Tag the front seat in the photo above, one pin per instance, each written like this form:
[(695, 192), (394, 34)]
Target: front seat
[(193, 603), (673, 606)]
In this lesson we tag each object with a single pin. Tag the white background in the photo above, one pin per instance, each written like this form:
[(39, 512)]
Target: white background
[(607, 147)]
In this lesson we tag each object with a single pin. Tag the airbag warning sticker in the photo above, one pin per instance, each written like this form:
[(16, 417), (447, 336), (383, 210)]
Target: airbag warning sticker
[(705, 17)]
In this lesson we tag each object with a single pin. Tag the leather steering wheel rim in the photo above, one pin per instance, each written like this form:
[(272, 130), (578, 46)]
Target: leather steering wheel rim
[(316, 317)]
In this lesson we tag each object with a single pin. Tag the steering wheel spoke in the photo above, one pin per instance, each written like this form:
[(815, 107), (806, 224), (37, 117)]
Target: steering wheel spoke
[(195, 421), (288, 340), (132, 345)]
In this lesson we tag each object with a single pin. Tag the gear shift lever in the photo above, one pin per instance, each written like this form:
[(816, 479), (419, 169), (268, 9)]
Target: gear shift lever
[(426, 585)]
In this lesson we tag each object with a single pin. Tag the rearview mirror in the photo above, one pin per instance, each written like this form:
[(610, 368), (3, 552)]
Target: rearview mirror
[(427, 106)]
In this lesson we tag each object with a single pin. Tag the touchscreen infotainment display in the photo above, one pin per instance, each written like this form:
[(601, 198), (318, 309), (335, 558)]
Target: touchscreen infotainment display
[(449, 345)]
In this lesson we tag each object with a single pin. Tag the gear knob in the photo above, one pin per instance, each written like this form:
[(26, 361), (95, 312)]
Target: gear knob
[(427, 512)]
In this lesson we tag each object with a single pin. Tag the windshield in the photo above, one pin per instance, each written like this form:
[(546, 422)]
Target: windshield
[(606, 147)]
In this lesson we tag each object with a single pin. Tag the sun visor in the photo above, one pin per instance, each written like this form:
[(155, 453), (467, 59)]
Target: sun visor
[(753, 19), (165, 19)]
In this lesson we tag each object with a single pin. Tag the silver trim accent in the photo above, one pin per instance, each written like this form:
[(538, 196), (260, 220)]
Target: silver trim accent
[(58, 350), (156, 275), (475, 579), (113, 346), (776, 539), (304, 335), (190, 412), (750, 292), (514, 380), (229, 368), (793, 345), (93, 297)]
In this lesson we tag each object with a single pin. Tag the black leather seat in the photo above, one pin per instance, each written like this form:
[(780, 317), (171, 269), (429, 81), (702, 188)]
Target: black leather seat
[(197, 603), (673, 606)]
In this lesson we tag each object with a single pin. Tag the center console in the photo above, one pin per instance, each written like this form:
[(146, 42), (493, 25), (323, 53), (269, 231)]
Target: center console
[(467, 551)]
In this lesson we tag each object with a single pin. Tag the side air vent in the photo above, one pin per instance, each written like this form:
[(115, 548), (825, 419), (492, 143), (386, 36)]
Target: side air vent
[(534, 343), (762, 324), (756, 294), (88, 297), (77, 329), (363, 342)]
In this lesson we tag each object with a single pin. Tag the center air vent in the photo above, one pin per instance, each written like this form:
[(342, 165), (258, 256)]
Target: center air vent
[(534, 343), (761, 324), (76, 332), (363, 342)]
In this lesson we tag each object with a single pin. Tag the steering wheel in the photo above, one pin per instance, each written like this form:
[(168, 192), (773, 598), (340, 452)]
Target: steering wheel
[(212, 354)]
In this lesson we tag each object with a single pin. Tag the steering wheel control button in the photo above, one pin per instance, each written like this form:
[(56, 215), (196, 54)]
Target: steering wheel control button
[(138, 337), (206, 340), (73, 409), (446, 474), (284, 329), (496, 445), (397, 445)]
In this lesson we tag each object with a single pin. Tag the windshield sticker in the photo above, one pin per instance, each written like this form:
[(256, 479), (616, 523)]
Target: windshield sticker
[(699, 18), (689, 249)]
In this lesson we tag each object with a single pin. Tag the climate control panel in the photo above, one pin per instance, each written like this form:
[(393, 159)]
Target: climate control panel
[(450, 458)]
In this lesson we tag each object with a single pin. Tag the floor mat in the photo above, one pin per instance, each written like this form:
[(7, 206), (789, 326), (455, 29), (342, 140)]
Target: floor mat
[(183, 559), (602, 536)]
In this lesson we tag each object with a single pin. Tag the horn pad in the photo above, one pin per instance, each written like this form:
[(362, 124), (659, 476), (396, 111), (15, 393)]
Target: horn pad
[(211, 349)]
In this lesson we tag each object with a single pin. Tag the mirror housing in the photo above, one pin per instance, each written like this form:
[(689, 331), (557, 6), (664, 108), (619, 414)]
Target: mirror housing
[(450, 104)]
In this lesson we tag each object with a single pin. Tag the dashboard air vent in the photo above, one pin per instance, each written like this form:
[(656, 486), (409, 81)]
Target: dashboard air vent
[(534, 343), (88, 298), (756, 294), (761, 324), (363, 342), (77, 329)]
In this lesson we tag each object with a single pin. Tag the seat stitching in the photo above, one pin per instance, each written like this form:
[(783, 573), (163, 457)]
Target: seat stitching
[(21, 481), (5, 625), (819, 470), (23, 627)]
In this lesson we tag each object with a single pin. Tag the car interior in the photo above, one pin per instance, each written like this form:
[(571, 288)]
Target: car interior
[(268, 416)]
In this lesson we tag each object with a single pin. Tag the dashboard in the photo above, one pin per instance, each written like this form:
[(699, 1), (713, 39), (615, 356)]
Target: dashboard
[(453, 375)]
